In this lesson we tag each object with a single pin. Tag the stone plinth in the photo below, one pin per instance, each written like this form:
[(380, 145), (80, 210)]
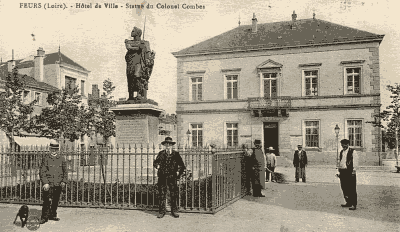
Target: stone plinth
[(136, 123)]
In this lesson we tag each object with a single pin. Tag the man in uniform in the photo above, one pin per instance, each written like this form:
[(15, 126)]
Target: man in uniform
[(168, 163), (300, 163), (53, 174), (259, 168), (348, 163)]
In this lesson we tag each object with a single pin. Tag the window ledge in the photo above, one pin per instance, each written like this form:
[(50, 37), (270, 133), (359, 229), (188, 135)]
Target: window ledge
[(313, 149), (362, 149)]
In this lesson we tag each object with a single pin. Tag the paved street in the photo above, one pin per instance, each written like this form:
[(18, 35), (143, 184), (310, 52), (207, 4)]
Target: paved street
[(311, 206)]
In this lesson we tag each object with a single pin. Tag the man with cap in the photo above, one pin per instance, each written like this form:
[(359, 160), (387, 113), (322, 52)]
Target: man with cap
[(168, 163), (300, 163), (259, 169), (347, 165), (53, 174), (271, 164)]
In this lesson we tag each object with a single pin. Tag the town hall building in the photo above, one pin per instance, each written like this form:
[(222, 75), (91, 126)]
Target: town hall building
[(285, 83)]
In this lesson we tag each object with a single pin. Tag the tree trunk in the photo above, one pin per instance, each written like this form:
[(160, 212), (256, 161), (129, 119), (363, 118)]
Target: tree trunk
[(397, 148)]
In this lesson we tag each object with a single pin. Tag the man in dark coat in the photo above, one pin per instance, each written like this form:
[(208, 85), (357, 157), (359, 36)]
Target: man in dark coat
[(259, 169), (348, 163), (300, 163), (168, 163), (248, 164), (53, 174)]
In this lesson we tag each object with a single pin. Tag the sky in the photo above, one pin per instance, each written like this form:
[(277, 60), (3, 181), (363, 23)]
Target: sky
[(94, 38)]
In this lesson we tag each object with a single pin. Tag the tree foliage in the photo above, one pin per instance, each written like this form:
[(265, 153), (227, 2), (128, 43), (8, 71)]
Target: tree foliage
[(65, 117), (392, 115), (103, 119), (14, 113)]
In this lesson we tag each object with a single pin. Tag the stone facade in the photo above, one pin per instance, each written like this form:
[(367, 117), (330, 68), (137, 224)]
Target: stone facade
[(333, 105)]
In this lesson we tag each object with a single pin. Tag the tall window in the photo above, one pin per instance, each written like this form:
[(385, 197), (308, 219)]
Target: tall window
[(353, 80), (38, 98), (312, 133), (231, 86), (69, 83), (83, 88), (311, 82), (197, 93), (354, 128), (197, 135), (270, 85), (232, 134), (26, 97)]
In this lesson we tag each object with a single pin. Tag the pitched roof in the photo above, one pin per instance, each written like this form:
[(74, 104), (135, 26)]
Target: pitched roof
[(30, 82), (51, 58), (308, 32)]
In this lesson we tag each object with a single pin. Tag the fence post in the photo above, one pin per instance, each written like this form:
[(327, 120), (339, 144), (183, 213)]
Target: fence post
[(214, 166)]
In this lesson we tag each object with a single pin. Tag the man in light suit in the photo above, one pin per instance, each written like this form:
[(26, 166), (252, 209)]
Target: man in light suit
[(300, 163), (271, 164)]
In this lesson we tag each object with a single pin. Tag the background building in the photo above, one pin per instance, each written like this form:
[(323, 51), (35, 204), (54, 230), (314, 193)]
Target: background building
[(45, 73), (285, 83)]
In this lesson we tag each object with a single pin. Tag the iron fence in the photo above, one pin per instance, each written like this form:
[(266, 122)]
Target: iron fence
[(125, 178)]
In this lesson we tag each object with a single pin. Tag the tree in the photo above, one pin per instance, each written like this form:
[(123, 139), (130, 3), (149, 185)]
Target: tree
[(65, 117), (14, 113), (102, 119), (393, 116)]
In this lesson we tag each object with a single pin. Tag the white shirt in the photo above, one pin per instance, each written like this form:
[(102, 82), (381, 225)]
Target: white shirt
[(342, 163)]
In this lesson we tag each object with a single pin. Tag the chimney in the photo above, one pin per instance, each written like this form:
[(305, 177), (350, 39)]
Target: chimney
[(294, 16), (11, 63), (254, 26), (95, 91), (39, 65)]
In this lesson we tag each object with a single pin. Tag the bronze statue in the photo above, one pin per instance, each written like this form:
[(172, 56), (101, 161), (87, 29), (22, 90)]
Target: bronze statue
[(139, 64)]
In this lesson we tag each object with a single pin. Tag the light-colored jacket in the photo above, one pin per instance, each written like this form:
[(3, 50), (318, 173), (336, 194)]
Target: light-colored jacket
[(271, 160)]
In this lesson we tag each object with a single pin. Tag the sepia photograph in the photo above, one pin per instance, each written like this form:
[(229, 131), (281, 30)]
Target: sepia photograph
[(200, 115)]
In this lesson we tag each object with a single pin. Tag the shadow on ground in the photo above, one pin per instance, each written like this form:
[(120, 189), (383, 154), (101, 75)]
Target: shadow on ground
[(379, 203)]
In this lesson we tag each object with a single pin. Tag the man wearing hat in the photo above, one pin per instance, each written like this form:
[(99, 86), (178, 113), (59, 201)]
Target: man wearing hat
[(300, 163), (259, 169), (53, 174), (168, 163), (347, 165), (271, 164)]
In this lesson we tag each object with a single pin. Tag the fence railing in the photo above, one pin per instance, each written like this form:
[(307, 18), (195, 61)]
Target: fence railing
[(125, 178)]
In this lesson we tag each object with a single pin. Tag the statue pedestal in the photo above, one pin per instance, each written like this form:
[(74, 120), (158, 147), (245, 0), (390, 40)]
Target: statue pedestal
[(136, 124)]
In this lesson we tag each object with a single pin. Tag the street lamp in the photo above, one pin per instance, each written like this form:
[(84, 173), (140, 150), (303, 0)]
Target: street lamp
[(188, 136), (337, 129)]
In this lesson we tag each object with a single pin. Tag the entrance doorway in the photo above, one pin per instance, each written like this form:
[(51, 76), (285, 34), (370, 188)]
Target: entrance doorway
[(271, 136)]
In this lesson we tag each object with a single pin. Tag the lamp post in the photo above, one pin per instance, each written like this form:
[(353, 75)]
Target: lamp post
[(337, 129), (188, 136)]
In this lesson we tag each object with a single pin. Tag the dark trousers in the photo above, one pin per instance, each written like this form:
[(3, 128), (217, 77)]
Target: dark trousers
[(247, 175), (300, 173), (50, 202), (348, 183), (256, 182), (268, 172), (170, 183)]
